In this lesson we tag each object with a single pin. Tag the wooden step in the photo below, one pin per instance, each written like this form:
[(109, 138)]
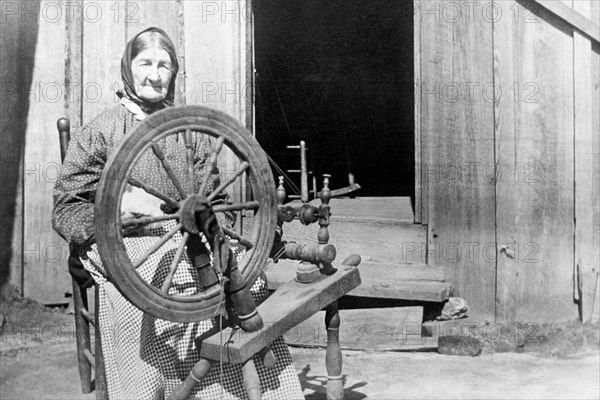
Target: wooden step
[(374, 209), (375, 329), (404, 282), (375, 239)]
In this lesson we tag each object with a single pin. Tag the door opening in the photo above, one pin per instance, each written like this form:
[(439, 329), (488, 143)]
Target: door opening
[(338, 75)]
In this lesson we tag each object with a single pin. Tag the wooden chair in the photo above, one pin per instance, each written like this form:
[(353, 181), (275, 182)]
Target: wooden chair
[(82, 281)]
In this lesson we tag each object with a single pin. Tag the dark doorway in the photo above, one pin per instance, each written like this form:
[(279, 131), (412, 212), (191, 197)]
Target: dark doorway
[(339, 75)]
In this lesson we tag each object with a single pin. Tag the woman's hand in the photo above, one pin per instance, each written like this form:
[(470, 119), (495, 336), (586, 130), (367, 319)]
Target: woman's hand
[(138, 203)]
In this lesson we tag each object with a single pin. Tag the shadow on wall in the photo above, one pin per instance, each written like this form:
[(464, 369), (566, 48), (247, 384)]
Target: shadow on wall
[(18, 39)]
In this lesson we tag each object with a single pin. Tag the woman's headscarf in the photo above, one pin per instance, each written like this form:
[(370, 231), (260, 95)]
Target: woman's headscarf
[(139, 43)]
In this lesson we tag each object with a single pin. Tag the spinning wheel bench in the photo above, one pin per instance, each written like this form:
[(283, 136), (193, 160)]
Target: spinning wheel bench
[(289, 306), (170, 138)]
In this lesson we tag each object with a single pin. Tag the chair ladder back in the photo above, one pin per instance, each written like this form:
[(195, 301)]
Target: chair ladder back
[(83, 317)]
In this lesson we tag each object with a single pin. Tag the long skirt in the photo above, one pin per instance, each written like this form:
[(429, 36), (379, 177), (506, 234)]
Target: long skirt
[(147, 358)]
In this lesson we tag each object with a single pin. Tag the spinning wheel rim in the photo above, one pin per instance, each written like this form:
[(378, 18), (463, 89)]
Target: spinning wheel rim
[(118, 265)]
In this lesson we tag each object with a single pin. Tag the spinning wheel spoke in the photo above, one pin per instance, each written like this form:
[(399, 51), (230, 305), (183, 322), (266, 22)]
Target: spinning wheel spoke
[(189, 155), (212, 163), (229, 181), (175, 263), (249, 205), (153, 191), (243, 241), (163, 160), (157, 245), (133, 222)]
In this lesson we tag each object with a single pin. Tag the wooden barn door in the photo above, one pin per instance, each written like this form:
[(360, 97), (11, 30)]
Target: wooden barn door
[(547, 191), (457, 148)]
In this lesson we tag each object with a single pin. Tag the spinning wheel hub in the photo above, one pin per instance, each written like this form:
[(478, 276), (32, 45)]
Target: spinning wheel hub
[(192, 211)]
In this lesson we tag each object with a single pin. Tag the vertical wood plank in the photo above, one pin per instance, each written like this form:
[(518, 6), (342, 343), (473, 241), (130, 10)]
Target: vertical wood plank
[(13, 245), (458, 141), (73, 66), (419, 198), (595, 86), (533, 65), (73, 101), (165, 14), (15, 78), (103, 45), (250, 82), (181, 96), (46, 278), (216, 55), (217, 59), (587, 253)]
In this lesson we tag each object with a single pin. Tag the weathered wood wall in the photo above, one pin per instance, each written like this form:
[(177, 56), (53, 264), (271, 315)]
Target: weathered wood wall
[(509, 132), (68, 55), (506, 106)]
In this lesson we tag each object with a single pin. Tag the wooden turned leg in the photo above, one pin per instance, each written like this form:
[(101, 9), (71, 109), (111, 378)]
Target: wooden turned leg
[(333, 355), (183, 391), (251, 380)]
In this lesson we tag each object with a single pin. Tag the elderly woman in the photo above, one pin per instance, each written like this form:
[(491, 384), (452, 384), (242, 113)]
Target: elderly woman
[(146, 357)]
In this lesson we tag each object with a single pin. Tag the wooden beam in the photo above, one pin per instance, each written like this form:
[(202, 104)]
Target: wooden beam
[(73, 68), (375, 329), (290, 305), (458, 156), (571, 16), (595, 318), (587, 253), (417, 99), (595, 84)]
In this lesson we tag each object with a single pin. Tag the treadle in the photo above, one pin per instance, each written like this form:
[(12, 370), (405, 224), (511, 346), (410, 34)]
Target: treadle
[(405, 282), (291, 304)]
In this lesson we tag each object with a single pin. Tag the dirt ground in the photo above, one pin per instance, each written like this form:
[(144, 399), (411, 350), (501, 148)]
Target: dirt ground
[(38, 361), (50, 372)]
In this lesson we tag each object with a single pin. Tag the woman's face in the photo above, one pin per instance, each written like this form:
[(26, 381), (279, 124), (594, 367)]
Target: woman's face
[(151, 70)]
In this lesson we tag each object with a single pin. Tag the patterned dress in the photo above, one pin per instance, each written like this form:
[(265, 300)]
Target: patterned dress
[(146, 357)]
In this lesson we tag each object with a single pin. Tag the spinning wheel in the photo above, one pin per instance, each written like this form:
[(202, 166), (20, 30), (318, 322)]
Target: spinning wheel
[(191, 204), (168, 142)]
